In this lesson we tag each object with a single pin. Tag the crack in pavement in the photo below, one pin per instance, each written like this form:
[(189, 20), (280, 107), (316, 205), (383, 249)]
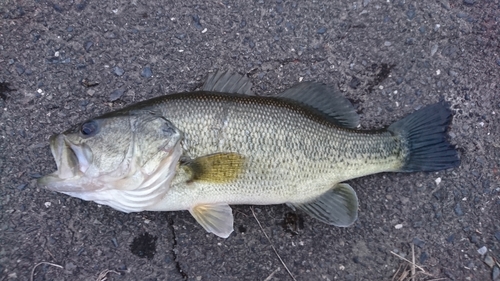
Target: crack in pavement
[(177, 263)]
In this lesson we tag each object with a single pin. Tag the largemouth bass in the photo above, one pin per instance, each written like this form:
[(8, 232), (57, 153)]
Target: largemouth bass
[(203, 151)]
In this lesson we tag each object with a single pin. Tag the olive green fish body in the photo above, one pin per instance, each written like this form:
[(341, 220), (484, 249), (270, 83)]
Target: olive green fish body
[(291, 153), (205, 150)]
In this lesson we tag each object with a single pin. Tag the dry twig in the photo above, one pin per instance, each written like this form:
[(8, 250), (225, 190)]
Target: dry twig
[(102, 275), (43, 262), (268, 239), (409, 271)]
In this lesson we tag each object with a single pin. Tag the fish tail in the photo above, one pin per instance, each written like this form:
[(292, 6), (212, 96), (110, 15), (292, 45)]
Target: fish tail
[(424, 138)]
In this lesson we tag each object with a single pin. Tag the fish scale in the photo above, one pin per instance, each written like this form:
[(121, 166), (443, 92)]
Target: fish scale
[(308, 147)]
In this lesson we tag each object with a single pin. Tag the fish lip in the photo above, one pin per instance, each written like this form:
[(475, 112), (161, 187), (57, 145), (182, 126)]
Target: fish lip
[(67, 162)]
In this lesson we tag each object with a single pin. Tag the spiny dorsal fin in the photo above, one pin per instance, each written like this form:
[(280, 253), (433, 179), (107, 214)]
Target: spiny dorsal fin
[(338, 206), (326, 99), (215, 218), (216, 168), (227, 82)]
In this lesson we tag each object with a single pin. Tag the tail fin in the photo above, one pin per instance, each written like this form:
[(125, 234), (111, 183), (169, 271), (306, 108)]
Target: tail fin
[(424, 133)]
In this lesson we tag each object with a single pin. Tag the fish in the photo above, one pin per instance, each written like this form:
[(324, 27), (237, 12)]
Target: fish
[(223, 145)]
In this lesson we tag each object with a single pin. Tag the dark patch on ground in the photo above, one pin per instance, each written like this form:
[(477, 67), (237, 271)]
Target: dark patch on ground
[(88, 83), (381, 72), (144, 246), (5, 88), (293, 223)]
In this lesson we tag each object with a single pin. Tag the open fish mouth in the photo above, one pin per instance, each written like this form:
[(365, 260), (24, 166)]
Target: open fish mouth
[(72, 162)]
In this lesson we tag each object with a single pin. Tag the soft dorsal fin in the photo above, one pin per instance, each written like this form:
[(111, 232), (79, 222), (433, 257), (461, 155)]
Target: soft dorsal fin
[(227, 82), (338, 206), (326, 99)]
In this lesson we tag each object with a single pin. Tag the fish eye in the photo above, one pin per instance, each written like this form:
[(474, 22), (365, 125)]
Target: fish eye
[(89, 128)]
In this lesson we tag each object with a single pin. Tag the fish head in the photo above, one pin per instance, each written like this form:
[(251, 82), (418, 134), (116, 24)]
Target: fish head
[(124, 156)]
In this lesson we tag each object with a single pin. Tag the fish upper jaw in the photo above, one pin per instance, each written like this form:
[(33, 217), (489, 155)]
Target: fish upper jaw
[(71, 160)]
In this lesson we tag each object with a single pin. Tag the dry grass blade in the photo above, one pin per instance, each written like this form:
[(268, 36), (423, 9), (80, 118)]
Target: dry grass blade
[(413, 271), (409, 272), (272, 274), (271, 243), (102, 276), (417, 266), (43, 262)]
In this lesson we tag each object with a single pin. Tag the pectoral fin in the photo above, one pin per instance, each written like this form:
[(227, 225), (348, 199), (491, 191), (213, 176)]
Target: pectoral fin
[(216, 168), (338, 206), (215, 218)]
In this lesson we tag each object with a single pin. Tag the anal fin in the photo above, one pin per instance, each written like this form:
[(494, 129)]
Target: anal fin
[(338, 206), (215, 218)]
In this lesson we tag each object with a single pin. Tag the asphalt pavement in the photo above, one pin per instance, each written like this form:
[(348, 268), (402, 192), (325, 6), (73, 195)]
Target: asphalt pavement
[(62, 62)]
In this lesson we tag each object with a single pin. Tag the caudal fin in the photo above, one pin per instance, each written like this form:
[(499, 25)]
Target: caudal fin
[(424, 134)]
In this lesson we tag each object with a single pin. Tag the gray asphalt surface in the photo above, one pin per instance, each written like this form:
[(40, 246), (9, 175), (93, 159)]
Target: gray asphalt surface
[(389, 57)]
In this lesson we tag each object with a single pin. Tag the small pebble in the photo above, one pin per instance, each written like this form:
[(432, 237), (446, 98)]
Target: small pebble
[(469, 2), (498, 62), (411, 14), (84, 103), (398, 226), (483, 250), (116, 94), (118, 71), (474, 239), (109, 35), (410, 41), (434, 50), (423, 257), (354, 83), (417, 242), (497, 235), (146, 72), (387, 43), (196, 22), (87, 45), (438, 181), (496, 273), (81, 6), (115, 243), (279, 8), (489, 261), (35, 175), (450, 238), (80, 251), (321, 30), (20, 68), (57, 7), (458, 210)]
